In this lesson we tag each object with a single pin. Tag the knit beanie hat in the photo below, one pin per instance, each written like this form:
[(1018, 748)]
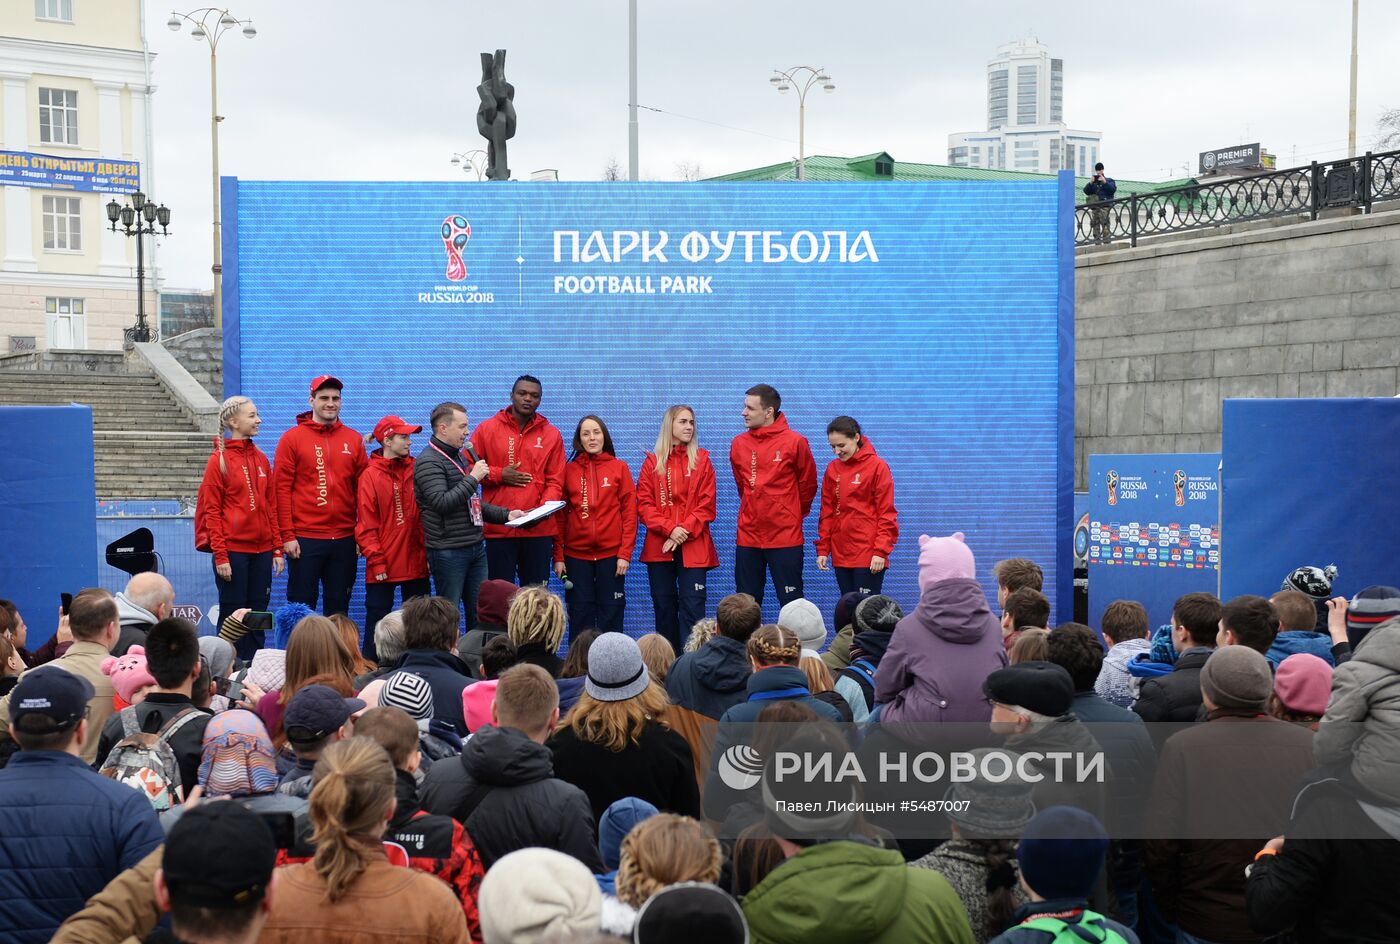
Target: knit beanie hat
[(616, 671), (614, 825), (1303, 683), (878, 613), (1371, 607), (691, 911), (989, 808), (1316, 582), (1062, 851), (1237, 677), (493, 601), (285, 620), (410, 692), (944, 559), (477, 699), (533, 894), (803, 618), (1161, 648), (846, 609), (128, 673)]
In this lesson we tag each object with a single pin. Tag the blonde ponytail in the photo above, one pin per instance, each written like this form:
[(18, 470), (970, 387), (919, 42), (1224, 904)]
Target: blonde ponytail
[(227, 412), (349, 805)]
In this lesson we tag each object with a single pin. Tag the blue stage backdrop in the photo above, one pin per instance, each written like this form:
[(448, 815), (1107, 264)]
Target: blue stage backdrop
[(1302, 485), (1154, 530), (938, 315)]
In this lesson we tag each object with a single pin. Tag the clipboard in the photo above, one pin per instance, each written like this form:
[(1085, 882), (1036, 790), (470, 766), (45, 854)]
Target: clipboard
[(536, 514)]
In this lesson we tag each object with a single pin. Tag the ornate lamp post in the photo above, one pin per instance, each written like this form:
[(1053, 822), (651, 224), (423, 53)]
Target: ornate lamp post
[(472, 161), (139, 219), (785, 80), (210, 24)]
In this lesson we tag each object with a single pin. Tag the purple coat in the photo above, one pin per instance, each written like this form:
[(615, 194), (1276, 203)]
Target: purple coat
[(939, 656)]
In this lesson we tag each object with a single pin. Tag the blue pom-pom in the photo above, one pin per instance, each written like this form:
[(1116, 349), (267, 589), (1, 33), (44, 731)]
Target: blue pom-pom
[(285, 620)]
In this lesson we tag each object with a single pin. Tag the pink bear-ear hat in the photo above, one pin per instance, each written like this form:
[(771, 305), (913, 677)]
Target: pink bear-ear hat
[(944, 559)]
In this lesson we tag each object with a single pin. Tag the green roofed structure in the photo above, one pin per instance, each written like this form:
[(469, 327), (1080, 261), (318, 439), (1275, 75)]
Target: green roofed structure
[(880, 166)]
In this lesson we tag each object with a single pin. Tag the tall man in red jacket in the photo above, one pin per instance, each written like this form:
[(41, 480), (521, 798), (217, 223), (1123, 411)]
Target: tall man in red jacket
[(389, 529), (777, 481), (525, 456), (316, 470)]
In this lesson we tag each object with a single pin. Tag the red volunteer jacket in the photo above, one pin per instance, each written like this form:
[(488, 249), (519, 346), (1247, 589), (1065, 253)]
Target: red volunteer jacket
[(539, 449), (601, 519), (682, 497), (857, 520), (317, 471), (389, 529), (777, 480), (237, 508)]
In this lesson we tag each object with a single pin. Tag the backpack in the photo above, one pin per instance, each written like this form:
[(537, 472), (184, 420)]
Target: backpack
[(1089, 928), (863, 671), (146, 762)]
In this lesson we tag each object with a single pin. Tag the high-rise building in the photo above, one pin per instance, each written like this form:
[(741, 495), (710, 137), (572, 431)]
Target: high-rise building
[(1025, 118), (73, 125)]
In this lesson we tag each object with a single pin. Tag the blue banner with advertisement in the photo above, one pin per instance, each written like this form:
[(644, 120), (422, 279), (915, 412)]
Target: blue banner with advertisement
[(1154, 530), (86, 174)]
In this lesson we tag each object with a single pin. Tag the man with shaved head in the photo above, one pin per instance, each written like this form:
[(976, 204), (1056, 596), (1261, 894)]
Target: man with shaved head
[(147, 599)]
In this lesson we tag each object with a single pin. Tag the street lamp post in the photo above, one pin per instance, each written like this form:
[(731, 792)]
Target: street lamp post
[(794, 78), (473, 160), (210, 24), (145, 216)]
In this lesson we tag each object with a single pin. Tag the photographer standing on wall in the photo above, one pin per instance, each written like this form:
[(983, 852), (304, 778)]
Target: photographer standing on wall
[(1100, 189)]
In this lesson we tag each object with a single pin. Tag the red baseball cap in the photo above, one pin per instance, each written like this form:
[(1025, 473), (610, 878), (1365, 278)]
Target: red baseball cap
[(325, 380), (393, 426)]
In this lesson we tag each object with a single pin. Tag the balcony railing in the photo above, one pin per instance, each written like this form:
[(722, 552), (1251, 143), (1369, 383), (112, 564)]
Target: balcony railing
[(1298, 191)]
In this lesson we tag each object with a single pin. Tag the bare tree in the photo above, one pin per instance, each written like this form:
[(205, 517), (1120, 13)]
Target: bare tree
[(612, 171), (689, 170), (1388, 130)]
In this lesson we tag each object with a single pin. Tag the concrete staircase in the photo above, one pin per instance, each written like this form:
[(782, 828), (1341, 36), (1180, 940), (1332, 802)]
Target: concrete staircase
[(144, 444)]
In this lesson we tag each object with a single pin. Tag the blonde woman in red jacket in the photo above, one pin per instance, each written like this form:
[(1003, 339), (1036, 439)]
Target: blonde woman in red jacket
[(676, 499), (598, 530), (236, 518), (858, 525)]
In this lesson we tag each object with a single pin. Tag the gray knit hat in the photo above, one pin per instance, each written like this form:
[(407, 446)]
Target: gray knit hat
[(992, 809), (878, 613), (803, 618), (1237, 677), (616, 671), (410, 692)]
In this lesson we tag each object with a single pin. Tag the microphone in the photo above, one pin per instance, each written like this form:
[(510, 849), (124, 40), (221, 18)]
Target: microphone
[(568, 584), (471, 453)]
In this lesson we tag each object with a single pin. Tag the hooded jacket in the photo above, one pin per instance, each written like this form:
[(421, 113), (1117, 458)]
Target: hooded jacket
[(854, 893), (1293, 641), (600, 520), (236, 509), (1361, 728), (777, 479), (389, 529), (711, 679), (453, 514), (539, 450), (315, 471), (1175, 696), (613, 826), (503, 790), (858, 519), (681, 497), (939, 655), (135, 622)]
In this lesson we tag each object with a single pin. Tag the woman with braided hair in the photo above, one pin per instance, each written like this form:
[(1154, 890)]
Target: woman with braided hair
[(236, 518), (350, 890)]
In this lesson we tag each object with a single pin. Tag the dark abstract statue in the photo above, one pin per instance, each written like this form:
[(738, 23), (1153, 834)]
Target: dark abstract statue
[(495, 119)]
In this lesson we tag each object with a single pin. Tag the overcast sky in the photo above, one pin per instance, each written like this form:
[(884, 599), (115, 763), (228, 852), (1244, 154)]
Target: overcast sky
[(373, 90)]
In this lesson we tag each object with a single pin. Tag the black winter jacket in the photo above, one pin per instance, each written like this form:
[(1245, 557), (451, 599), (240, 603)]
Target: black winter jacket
[(1336, 877), (658, 768), (503, 790), (1175, 696), (445, 494)]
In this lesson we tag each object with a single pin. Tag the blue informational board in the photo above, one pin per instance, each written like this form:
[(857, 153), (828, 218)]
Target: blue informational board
[(1310, 482), (1154, 530), (47, 492), (51, 172), (938, 315)]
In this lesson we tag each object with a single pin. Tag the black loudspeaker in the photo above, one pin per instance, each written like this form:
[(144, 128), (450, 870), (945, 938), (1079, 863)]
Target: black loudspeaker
[(134, 553)]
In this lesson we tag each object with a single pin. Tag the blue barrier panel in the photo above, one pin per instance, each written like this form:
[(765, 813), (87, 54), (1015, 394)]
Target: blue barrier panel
[(1154, 530), (939, 315), (46, 496), (1310, 482)]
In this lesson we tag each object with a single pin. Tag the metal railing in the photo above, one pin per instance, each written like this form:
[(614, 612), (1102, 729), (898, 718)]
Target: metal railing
[(1298, 191)]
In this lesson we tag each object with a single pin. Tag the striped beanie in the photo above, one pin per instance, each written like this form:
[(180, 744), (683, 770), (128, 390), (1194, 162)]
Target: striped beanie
[(410, 692), (1371, 607), (1316, 582)]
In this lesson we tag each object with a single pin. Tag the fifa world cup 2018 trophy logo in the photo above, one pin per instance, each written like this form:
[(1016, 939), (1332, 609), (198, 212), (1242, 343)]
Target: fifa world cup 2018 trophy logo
[(456, 232), (1112, 480), (1179, 481)]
